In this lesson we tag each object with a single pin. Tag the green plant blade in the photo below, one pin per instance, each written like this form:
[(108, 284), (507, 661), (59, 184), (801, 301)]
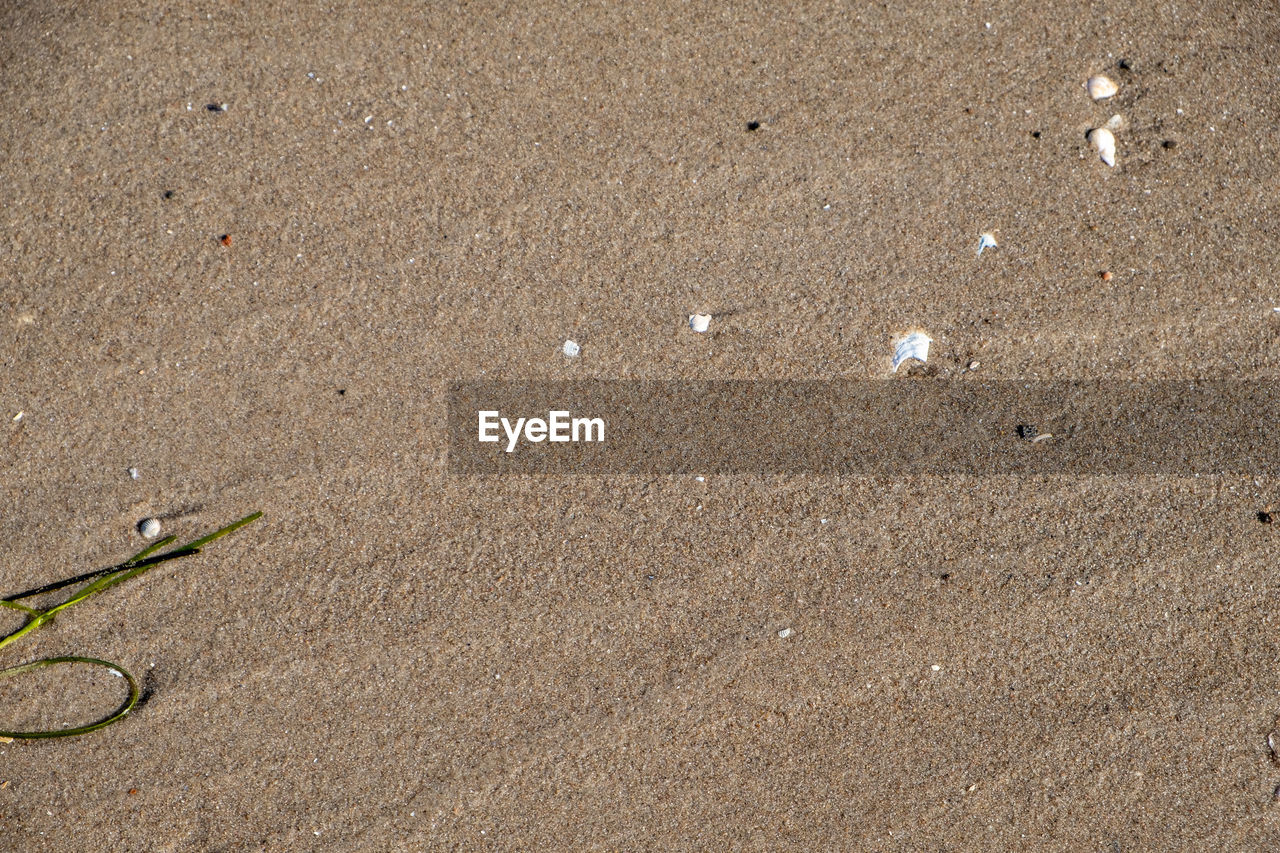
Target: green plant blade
[(99, 581), (115, 716)]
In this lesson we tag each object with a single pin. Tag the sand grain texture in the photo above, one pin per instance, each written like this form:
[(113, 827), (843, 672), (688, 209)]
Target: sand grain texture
[(398, 659)]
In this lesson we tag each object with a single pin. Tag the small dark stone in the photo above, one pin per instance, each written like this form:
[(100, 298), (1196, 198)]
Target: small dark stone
[(168, 193), (946, 576), (753, 125), (1126, 64), (342, 392), (1264, 516), (1027, 431), (1036, 134), (213, 108), (1169, 144)]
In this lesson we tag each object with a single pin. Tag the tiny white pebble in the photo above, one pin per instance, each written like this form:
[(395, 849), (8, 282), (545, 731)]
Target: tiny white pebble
[(133, 473), (822, 520), (571, 349), (935, 667), (704, 479), (21, 415), (699, 322), (784, 633), (974, 365), (149, 527)]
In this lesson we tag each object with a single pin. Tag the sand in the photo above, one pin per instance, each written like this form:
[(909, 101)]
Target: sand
[(400, 658)]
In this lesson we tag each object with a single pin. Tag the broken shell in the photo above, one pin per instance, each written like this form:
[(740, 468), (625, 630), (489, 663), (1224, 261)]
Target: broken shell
[(1105, 141), (914, 345), (149, 528), (699, 322), (1100, 88), (987, 241), (571, 349)]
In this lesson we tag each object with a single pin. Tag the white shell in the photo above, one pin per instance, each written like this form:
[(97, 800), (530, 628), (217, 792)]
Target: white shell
[(914, 345), (699, 322), (1100, 88), (987, 241), (1105, 141), (149, 527), (784, 633), (571, 349)]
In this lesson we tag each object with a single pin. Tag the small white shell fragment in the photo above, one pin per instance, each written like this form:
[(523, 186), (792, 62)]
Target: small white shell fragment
[(914, 345), (149, 528), (571, 349), (699, 322), (1105, 141), (1100, 88), (987, 240), (784, 633), (19, 416), (935, 668), (133, 473)]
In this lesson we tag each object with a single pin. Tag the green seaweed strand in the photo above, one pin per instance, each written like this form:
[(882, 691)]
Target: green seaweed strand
[(97, 582)]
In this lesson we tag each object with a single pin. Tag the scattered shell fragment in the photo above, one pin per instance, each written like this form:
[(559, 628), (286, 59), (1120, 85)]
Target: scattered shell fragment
[(987, 240), (19, 416), (149, 527), (571, 349), (914, 345), (133, 473), (784, 633), (1105, 141), (1273, 743), (1100, 88), (699, 322)]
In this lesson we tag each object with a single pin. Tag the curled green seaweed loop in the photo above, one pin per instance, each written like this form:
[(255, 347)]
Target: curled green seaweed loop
[(125, 708), (94, 583)]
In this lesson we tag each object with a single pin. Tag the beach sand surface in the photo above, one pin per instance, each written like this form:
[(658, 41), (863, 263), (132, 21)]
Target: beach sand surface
[(399, 658)]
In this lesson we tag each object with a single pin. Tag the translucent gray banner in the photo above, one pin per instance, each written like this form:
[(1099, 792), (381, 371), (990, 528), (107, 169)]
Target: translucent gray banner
[(874, 427)]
